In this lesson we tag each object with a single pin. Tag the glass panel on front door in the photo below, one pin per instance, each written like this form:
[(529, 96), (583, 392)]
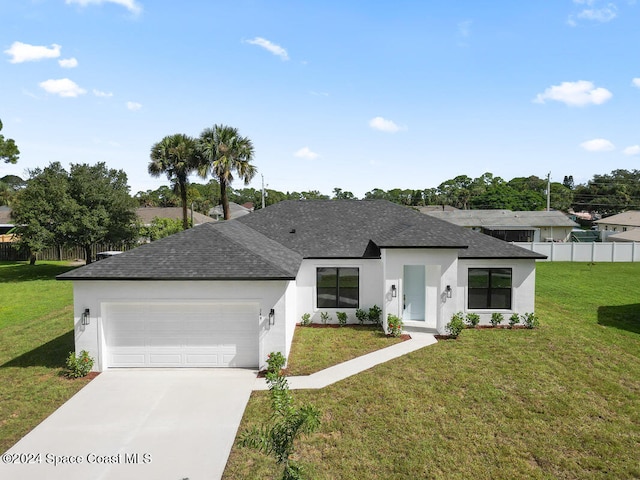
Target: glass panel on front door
[(413, 295)]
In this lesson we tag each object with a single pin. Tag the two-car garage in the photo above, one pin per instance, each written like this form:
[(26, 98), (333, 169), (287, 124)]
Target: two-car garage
[(171, 334)]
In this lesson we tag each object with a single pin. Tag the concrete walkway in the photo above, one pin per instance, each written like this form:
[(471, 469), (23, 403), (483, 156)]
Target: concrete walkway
[(341, 371)]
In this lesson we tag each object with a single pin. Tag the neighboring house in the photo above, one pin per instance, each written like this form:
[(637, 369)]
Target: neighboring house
[(235, 211), (147, 214), (518, 226), (6, 224), (620, 223), (228, 293), (631, 235)]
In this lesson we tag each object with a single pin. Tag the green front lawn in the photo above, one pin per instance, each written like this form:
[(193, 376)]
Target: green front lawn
[(315, 349), (562, 401), (36, 335)]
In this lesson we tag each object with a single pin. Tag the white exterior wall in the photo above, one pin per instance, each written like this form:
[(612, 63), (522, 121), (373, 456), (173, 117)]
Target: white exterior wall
[(523, 278), (371, 293), (279, 295), (441, 270), (555, 234)]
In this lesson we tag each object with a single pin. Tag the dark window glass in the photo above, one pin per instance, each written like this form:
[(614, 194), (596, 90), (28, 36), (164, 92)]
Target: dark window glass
[(338, 287), (489, 288)]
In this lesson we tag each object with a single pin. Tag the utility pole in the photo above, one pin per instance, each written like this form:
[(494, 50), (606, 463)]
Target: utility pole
[(549, 192), (262, 190)]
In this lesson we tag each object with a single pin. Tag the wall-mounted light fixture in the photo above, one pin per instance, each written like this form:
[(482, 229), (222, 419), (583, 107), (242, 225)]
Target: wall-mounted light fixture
[(272, 317), (394, 291), (86, 317), (449, 291)]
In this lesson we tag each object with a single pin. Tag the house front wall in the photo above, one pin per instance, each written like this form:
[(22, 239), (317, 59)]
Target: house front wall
[(97, 296), (370, 287), (439, 269), (523, 280)]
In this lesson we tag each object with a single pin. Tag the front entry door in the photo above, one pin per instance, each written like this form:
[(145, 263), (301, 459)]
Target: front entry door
[(413, 296)]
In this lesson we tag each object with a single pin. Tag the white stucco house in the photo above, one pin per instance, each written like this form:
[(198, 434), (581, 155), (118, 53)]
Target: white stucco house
[(228, 293)]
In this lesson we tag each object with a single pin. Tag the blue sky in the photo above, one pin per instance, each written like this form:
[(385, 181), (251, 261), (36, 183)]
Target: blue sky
[(350, 94)]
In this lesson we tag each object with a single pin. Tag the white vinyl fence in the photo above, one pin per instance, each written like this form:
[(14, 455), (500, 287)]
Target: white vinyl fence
[(585, 252)]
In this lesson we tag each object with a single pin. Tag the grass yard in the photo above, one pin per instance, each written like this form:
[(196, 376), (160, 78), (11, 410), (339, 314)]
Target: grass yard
[(315, 349), (36, 335), (561, 401)]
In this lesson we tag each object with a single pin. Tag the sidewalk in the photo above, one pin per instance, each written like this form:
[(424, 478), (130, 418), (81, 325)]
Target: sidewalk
[(341, 371)]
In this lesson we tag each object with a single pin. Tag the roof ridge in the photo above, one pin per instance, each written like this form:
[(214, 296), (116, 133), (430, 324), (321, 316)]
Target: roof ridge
[(258, 252)]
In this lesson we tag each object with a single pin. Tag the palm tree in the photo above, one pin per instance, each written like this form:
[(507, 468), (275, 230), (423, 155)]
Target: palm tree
[(223, 152), (177, 156)]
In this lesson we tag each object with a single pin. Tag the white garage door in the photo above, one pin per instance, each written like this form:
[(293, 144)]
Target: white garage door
[(181, 335)]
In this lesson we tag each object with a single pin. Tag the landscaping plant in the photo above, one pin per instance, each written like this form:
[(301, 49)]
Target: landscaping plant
[(375, 314), (342, 318), (514, 320), (325, 317), (394, 325), (362, 316), (287, 422), (530, 320), (472, 320), (306, 319), (496, 319), (79, 366), (456, 325)]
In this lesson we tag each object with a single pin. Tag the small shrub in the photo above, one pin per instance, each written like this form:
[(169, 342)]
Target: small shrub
[(325, 317), (496, 319), (79, 366), (342, 318), (530, 320), (514, 320), (362, 316), (456, 325), (375, 315), (394, 325), (275, 362), (306, 319), (472, 319)]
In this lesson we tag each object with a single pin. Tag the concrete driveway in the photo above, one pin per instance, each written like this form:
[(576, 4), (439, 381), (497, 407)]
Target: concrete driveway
[(125, 424)]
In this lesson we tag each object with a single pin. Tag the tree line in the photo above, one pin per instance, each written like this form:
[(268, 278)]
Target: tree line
[(604, 194)]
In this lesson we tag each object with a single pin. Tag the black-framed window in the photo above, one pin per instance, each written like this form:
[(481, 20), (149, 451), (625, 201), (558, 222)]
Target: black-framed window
[(490, 288), (338, 287)]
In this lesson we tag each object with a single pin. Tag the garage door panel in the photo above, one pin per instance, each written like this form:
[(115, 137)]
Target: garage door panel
[(182, 335)]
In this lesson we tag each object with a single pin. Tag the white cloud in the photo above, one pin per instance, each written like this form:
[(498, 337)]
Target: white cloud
[(575, 94), (68, 63), (603, 15), (598, 145), (636, 82), (464, 28), (131, 5), (134, 106), (306, 153), (633, 150), (23, 52), (100, 93), (63, 87), (384, 125), (271, 47)]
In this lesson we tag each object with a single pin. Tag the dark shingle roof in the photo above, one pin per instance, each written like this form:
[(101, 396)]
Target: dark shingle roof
[(211, 251), (344, 228), (271, 243)]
